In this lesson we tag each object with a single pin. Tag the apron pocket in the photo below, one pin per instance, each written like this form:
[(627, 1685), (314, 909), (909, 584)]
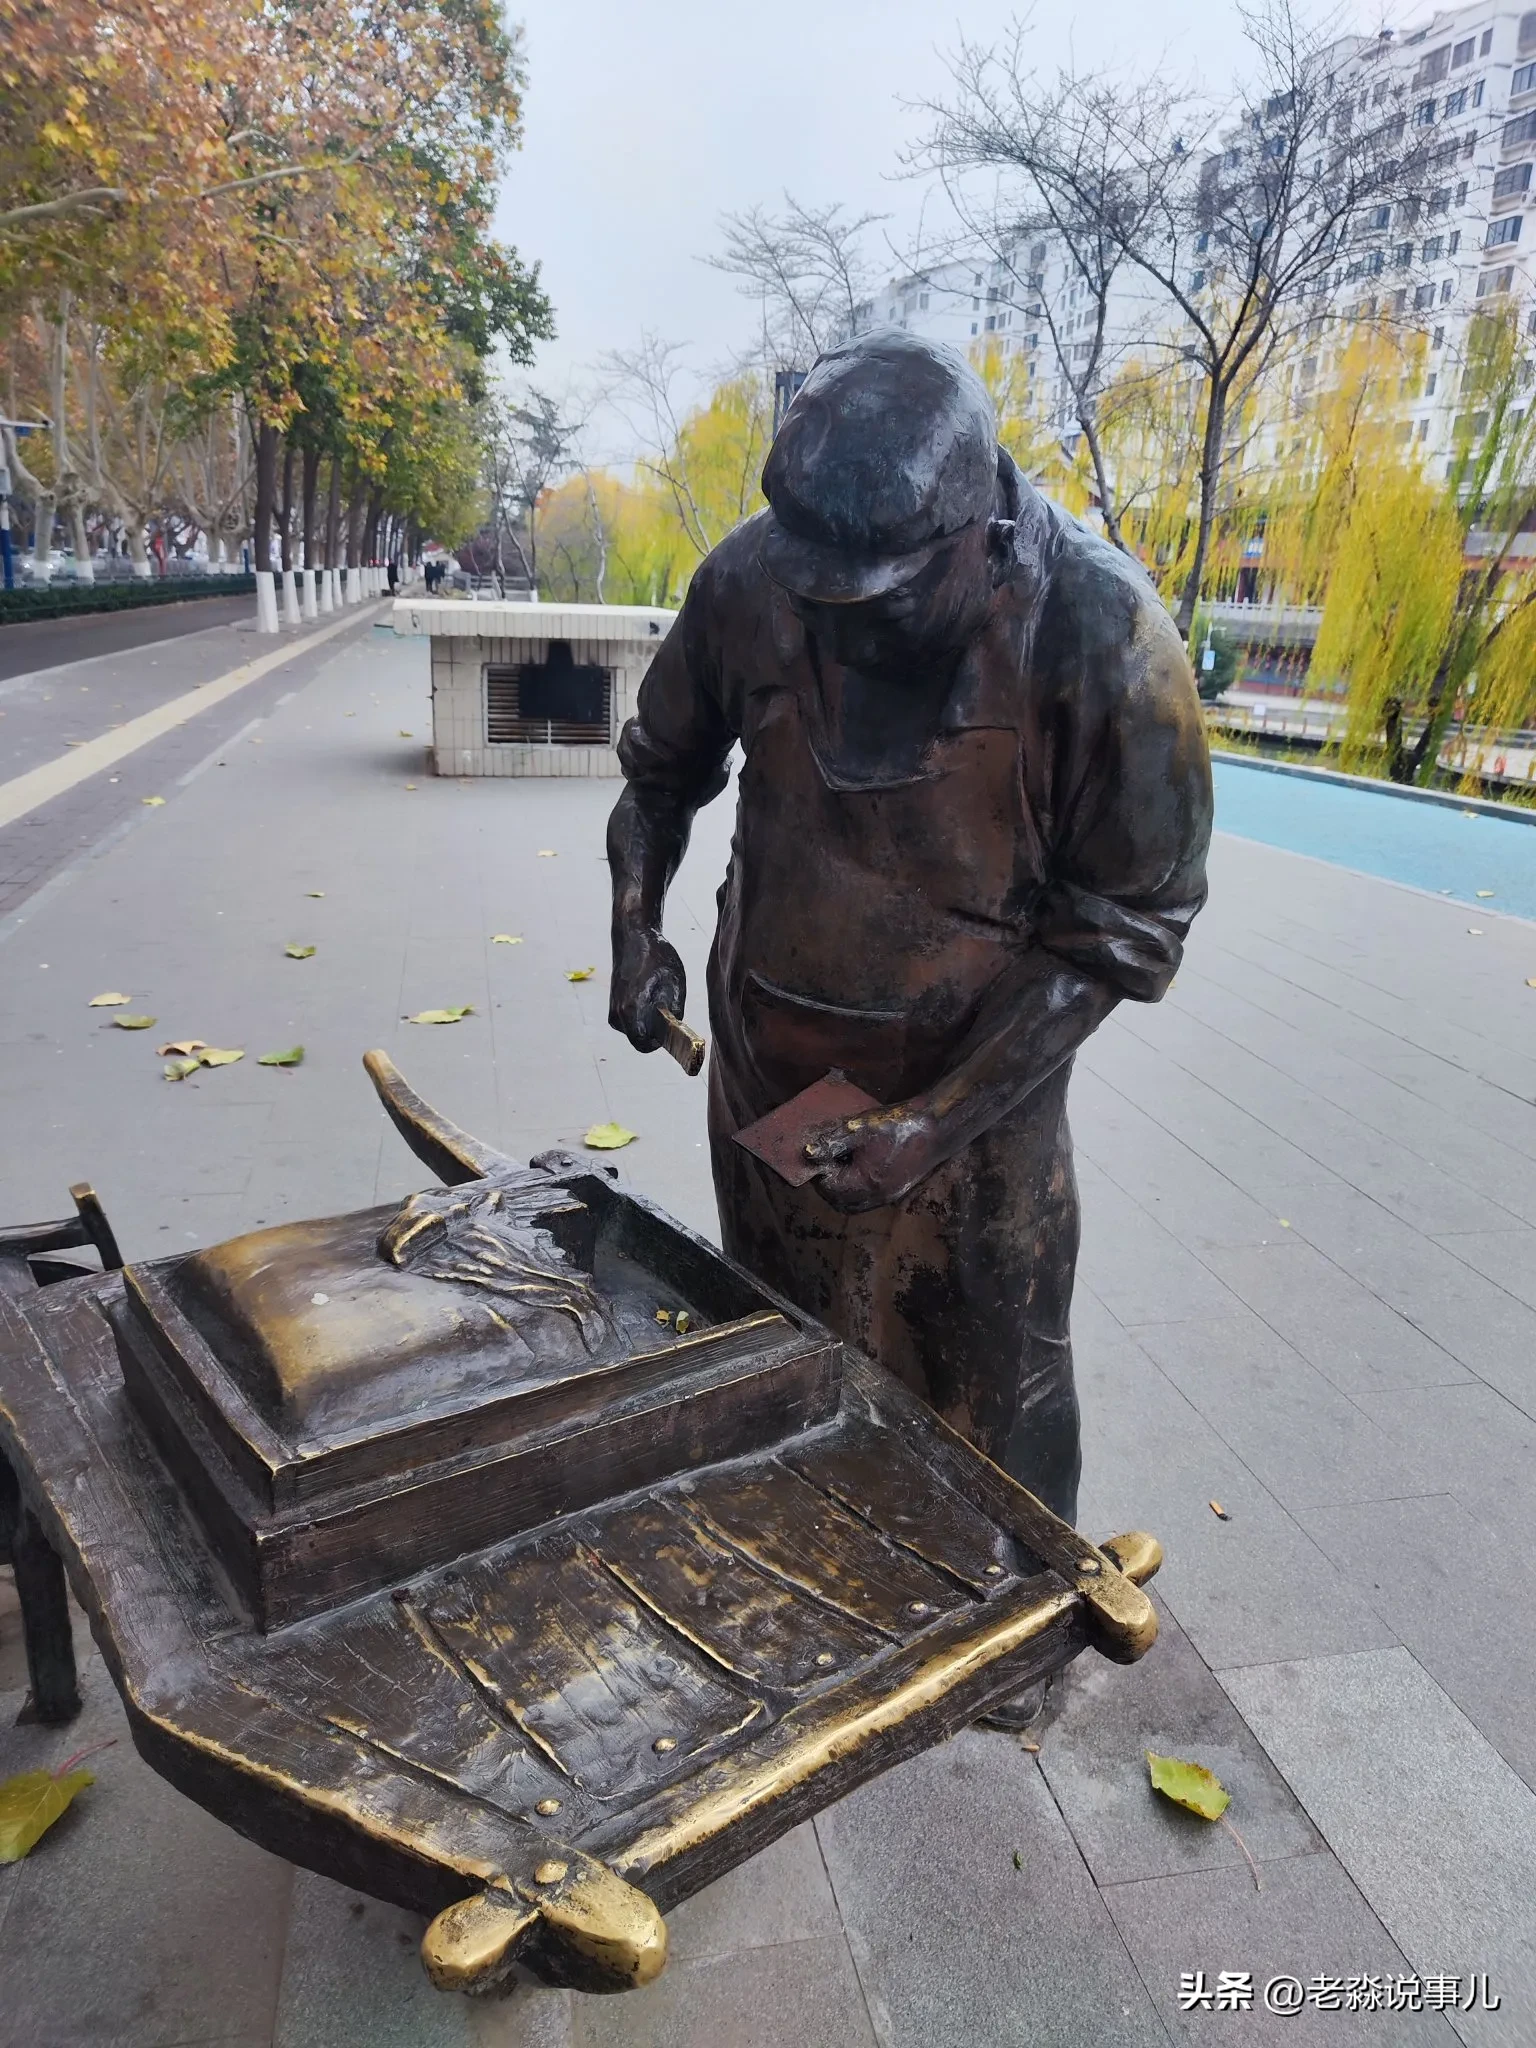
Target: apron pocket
[(793, 1040)]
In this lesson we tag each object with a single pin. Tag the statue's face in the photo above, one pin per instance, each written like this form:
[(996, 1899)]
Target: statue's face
[(903, 635)]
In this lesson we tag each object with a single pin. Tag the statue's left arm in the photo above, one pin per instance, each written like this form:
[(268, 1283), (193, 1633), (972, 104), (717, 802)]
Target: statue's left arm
[(1133, 797)]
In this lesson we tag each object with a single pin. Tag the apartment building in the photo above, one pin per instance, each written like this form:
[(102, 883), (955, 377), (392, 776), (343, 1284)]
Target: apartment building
[(1466, 84)]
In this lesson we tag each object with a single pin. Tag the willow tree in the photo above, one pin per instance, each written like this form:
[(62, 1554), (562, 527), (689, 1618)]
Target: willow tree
[(1431, 607)]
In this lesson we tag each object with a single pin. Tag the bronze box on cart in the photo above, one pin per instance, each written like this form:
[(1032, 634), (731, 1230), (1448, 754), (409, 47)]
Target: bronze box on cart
[(509, 1553)]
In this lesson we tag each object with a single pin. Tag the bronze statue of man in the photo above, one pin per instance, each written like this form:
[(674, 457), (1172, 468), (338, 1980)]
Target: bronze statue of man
[(973, 814)]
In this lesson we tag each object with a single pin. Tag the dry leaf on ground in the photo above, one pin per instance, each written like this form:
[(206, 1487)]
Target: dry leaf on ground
[(546, 853), (181, 1045), (607, 1137), (580, 973), (178, 1070), (316, 893), (220, 1055), (293, 1057), (442, 1016), (300, 952), (31, 1803), (133, 1023), (406, 735), (1485, 892), (109, 1001), (505, 939), (1188, 1785), (152, 800)]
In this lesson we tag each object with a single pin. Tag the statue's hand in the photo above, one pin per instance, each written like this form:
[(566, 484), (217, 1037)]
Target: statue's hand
[(871, 1160), (648, 978)]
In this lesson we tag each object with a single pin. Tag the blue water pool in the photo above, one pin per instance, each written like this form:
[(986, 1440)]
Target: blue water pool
[(1430, 846)]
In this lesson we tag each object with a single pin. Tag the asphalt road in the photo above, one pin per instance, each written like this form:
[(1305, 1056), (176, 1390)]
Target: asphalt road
[(45, 643)]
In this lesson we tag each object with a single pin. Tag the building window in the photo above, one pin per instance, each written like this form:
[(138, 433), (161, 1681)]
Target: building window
[(1527, 33), (1462, 54), (1197, 281), (1424, 296), (1495, 281), (1502, 231), (1202, 243), (1439, 338), (1440, 200), (973, 327), (1424, 114), (1454, 243), (1381, 216), (1507, 183), (1477, 94), (1455, 103), (1523, 80), (1402, 255), (990, 322), (1446, 291), (922, 302), (1487, 43), (1461, 193), (1433, 67), (1275, 146), (1434, 249), (1429, 385), (1521, 129)]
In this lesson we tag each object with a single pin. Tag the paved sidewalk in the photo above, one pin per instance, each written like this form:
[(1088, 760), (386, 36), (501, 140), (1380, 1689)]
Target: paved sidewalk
[(1308, 1293)]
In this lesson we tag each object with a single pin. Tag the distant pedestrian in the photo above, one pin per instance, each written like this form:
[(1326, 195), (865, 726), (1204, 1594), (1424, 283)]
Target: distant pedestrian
[(392, 570)]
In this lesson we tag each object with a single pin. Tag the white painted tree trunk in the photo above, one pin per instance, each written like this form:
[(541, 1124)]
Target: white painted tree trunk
[(138, 554), (327, 590), (291, 613), (309, 608), (353, 590), (266, 602)]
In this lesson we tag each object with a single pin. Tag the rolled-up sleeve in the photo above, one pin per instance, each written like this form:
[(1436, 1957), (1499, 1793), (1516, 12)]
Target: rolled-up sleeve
[(678, 742), (1133, 805)]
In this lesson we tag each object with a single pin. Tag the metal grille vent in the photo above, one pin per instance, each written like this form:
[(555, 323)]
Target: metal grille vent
[(557, 702)]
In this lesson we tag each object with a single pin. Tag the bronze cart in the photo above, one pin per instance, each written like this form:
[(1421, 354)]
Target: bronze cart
[(509, 1553)]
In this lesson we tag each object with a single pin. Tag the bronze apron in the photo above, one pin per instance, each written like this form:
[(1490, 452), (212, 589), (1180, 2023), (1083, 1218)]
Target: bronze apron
[(963, 1288)]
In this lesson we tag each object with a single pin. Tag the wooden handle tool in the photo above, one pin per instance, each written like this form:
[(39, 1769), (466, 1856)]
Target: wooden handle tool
[(684, 1043)]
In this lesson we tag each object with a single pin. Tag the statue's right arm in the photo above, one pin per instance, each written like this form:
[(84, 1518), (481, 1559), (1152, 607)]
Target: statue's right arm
[(673, 753)]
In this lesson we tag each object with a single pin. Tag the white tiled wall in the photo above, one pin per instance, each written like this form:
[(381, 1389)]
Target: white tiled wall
[(458, 705)]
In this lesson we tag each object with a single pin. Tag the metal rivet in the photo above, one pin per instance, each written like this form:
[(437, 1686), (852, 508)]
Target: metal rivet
[(663, 1743), (550, 1873), (1089, 1567), (994, 1571), (547, 1806), (824, 1657), (918, 1607)]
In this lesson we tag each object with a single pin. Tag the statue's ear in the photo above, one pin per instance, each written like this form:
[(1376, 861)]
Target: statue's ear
[(1000, 546)]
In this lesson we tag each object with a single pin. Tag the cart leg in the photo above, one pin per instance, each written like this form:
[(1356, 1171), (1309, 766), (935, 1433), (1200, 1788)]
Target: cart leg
[(40, 1588)]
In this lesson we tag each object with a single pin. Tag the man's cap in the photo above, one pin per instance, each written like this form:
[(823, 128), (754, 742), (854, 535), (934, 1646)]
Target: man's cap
[(889, 448)]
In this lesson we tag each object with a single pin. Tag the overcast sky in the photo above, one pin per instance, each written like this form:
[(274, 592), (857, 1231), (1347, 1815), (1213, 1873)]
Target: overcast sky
[(647, 119)]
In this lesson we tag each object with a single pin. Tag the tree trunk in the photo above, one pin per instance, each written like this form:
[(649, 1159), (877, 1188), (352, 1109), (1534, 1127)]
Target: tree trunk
[(1210, 480), (333, 515), (266, 493), (287, 529)]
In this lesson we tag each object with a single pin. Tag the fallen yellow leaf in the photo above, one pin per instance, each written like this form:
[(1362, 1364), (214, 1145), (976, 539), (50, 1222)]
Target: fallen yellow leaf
[(1191, 1786), (133, 1023), (580, 973), (316, 893), (31, 1803), (607, 1137), (1485, 892), (410, 785), (406, 735), (505, 939), (182, 1045), (220, 1055), (293, 1057), (109, 1001), (546, 853), (178, 1070), (1530, 981), (300, 952), (1474, 931), (442, 1016), (152, 800)]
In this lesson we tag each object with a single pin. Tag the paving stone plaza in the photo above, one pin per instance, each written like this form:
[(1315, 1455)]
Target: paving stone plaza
[(1307, 1294)]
